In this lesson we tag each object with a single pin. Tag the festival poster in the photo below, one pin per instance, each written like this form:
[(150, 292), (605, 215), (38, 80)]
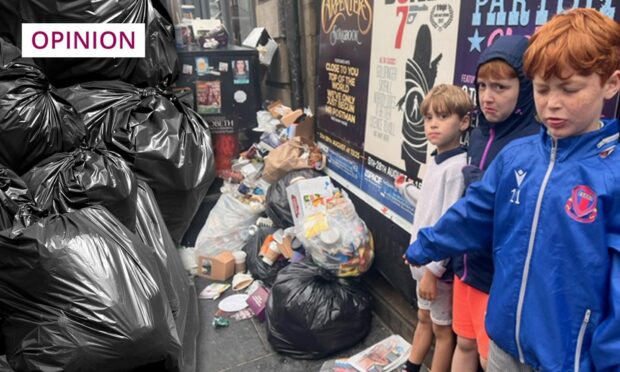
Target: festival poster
[(483, 21), (414, 48), (344, 56)]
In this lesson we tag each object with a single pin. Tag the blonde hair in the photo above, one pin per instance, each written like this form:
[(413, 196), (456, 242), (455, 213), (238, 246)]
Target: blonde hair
[(447, 99), (583, 40)]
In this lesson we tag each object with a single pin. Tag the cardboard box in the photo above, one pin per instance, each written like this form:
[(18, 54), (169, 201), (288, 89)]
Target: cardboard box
[(222, 266), (257, 301), (307, 196), (259, 38)]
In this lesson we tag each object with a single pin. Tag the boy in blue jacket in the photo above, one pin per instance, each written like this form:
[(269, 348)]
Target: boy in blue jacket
[(549, 205)]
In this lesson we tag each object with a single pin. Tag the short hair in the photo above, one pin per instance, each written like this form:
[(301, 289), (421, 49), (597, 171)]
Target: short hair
[(448, 99), (580, 39), (496, 69)]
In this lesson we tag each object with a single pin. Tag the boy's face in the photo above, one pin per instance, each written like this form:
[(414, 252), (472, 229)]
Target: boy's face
[(498, 98), (444, 130), (573, 106)]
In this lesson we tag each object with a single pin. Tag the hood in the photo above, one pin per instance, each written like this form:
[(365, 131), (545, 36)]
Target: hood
[(510, 49)]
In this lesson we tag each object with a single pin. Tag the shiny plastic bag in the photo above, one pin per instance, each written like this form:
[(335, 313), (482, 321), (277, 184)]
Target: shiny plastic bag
[(65, 182), (151, 229), (14, 194), (276, 205), (337, 239), (159, 67), (166, 144), (311, 313), (35, 122), (8, 52), (80, 292), (226, 228)]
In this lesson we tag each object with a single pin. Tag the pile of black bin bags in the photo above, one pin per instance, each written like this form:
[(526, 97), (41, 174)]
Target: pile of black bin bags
[(98, 182), (311, 313)]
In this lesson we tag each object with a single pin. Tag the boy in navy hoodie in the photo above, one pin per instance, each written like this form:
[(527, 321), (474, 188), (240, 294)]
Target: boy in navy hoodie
[(549, 206), (506, 105)]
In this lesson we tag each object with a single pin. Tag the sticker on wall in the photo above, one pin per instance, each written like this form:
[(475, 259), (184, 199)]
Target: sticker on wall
[(188, 69), (223, 66), (241, 71), (208, 97), (240, 96), (202, 65)]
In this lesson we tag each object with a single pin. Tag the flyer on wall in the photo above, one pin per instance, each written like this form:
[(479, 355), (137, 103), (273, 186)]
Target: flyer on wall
[(344, 57), (414, 49)]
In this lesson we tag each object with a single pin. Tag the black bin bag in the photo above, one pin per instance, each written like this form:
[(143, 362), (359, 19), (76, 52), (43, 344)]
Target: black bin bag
[(159, 67), (257, 267), (8, 51), (65, 182), (311, 313), (80, 292), (165, 143), (35, 122), (151, 229), (14, 196), (276, 204)]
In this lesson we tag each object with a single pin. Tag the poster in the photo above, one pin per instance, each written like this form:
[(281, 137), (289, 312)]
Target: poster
[(241, 71), (481, 22), (414, 48), (208, 97), (344, 58)]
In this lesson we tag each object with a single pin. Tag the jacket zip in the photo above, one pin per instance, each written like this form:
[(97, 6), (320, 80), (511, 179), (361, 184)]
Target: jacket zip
[(530, 248), (582, 333), (487, 147)]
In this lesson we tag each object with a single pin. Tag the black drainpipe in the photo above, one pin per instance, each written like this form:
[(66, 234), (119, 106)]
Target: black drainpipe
[(289, 22)]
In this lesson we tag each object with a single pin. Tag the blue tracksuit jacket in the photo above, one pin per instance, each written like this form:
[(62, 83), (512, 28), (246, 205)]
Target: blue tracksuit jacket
[(551, 212)]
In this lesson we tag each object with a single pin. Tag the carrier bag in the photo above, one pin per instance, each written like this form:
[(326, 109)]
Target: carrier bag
[(226, 228)]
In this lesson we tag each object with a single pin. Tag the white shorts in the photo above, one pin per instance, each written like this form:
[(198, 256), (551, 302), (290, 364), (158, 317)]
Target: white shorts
[(441, 307)]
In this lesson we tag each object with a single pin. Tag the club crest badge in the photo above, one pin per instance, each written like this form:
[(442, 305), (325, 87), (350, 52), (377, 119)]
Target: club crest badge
[(582, 204)]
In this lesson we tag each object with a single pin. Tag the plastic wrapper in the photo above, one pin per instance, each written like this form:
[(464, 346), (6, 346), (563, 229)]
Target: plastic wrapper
[(257, 267), (166, 144), (226, 228), (66, 182), (35, 121), (337, 239), (151, 229), (80, 292), (311, 313), (276, 205), (159, 67)]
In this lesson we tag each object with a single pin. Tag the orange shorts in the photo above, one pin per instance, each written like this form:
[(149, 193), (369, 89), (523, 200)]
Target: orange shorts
[(469, 306)]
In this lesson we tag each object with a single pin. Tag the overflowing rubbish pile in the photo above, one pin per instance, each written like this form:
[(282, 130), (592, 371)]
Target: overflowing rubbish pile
[(102, 169), (301, 241)]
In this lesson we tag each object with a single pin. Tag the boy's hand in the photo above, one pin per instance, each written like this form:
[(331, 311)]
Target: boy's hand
[(407, 262), (399, 181), (428, 286)]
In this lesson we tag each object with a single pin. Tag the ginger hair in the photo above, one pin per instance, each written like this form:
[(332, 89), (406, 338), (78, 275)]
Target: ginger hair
[(582, 40)]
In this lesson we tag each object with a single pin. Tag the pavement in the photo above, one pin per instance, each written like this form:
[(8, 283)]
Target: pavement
[(243, 345)]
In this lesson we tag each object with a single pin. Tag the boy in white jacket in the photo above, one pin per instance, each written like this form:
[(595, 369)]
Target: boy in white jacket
[(446, 111)]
